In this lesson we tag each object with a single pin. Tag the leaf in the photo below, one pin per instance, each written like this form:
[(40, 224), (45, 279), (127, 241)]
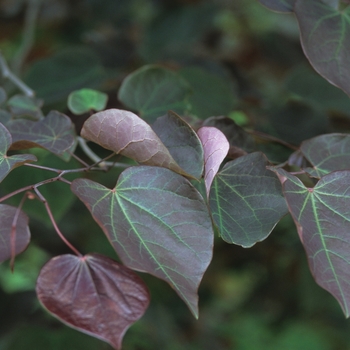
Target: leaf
[(8, 163), (158, 223), (153, 90), (3, 95), (20, 236), (54, 133), (93, 294), (85, 100), (327, 153), (21, 105), (246, 200), (285, 6), (182, 142), (322, 217), (125, 133), (216, 148), (325, 38)]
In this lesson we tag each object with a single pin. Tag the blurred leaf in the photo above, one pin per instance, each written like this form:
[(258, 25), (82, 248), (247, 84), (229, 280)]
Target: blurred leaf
[(21, 105), (85, 100), (153, 90), (93, 294), (3, 95), (5, 116), (285, 6), (166, 221)]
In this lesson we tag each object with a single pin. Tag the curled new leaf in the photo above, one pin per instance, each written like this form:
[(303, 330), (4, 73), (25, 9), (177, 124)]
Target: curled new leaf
[(93, 294)]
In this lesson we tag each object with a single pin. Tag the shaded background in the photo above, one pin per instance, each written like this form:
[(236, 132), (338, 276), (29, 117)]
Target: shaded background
[(252, 69)]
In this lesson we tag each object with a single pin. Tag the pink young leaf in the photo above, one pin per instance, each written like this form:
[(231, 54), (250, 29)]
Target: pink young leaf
[(20, 235), (215, 147), (93, 294)]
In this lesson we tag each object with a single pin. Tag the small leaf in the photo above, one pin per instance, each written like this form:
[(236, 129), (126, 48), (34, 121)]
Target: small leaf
[(284, 6), (157, 222), (85, 100), (322, 217), (246, 200), (54, 133), (125, 133), (182, 142), (8, 163), (93, 294), (153, 90), (21, 105), (216, 148), (20, 235)]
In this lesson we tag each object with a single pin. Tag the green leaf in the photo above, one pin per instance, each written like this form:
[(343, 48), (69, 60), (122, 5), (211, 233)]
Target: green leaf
[(153, 90), (21, 105), (246, 200), (85, 100), (321, 215), (157, 222), (8, 163)]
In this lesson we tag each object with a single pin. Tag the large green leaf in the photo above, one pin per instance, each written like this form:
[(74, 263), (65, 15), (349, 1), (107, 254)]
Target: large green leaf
[(246, 200), (322, 218), (325, 38), (157, 222), (153, 90)]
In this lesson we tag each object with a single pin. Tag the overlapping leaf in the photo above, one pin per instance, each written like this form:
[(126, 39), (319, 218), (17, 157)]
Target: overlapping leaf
[(21, 105), (246, 200), (93, 294), (215, 147), (157, 222), (55, 133), (85, 100), (125, 133), (279, 5), (322, 218), (182, 142), (8, 163), (12, 241)]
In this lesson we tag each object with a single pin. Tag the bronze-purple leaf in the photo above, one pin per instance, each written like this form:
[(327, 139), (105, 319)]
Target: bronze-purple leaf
[(215, 146), (93, 294), (13, 240)]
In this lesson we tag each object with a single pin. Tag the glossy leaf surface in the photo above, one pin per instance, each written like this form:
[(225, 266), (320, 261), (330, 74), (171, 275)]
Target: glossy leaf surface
[(322, 218), (153, 90), (54, 133), (285, 6), (85, 100), (246, 200), (20, 236), (93, 294), (8, 163), (215, 147), (125, 133), (182, 142), (157, 222)]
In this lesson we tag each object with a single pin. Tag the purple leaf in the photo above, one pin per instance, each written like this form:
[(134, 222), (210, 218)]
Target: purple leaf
[(322, 217), (284, 6), (215, 147), (20, 236), (157, 222), (93, 294), (55, 133), (8, 163)]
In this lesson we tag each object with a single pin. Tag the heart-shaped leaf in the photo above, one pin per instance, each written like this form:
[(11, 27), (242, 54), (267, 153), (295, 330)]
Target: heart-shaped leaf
[(215, 146), (325, 38), (54, 133), (85, 100), (182, 142), (8, 163), (14, 241), (327, 153), (153, 90), (21, 105), (285, 6), (125, 133), (93, 294), (157, 222), (322, 218), (246, 200)]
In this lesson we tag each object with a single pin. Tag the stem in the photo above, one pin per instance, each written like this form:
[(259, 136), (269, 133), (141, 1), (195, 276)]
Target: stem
[(272, 138)]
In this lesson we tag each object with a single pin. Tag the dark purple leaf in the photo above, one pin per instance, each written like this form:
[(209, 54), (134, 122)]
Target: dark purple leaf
[(322, 217), (285, 6), (93, 294), (182, 142), (55, 133), (215, 147), (157, 222), (17, 238), (246, 200), (8, 163)]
